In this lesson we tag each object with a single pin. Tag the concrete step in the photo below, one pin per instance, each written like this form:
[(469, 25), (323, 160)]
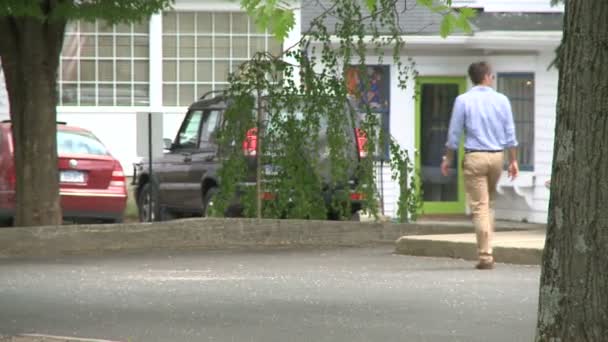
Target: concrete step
[(512, 247)]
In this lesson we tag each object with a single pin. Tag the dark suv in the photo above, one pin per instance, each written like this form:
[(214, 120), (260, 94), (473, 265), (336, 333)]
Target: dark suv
[(185, 179)]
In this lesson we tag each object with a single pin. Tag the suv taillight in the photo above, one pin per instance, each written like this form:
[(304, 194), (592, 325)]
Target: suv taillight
[(118, 177), (361, 142), (250, 145)]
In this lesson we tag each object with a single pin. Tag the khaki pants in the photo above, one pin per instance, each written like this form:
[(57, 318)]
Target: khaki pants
[(481, 173)]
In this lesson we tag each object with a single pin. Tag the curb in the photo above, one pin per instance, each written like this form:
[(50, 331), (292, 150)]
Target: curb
[(466, 251), (214, 233), (206, 233)]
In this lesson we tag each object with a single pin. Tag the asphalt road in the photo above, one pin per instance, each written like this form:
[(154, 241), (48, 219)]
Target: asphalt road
[(281, 295)]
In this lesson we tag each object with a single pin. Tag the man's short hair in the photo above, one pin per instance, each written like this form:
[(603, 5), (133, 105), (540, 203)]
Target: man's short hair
[(478, 71)]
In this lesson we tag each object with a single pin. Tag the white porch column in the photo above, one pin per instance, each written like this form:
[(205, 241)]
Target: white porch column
[(156, 62), (292, 39)]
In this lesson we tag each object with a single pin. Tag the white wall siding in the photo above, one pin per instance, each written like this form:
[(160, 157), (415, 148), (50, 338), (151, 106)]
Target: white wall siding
[(546, 102)]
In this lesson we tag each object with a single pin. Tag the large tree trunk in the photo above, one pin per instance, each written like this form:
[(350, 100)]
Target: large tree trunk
[(30, 50), (574, 280)]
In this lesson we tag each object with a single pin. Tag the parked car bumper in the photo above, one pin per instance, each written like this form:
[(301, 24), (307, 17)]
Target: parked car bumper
[(93, 203), (79, 203)]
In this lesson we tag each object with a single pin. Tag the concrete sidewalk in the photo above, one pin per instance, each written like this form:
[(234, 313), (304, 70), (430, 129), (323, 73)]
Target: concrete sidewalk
[(513, 247)]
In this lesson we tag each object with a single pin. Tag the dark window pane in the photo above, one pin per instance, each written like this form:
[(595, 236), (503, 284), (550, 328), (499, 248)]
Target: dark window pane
[(123, 95), (123, 71), (87, 71), (186, 71), (519, 88), (204, 22), (106, 46), (69, 70), (222, 22), (141, 46), (106, 94), (141, 71), (239, 47), (222, 47), (141, 95), (170, 95), (203, 45), (240, 23), (436, 108), (186, 22), (186, 94), (123, 46), (170, 71), (169, 46), (69, 94), (106, 71), (169, 22), (204, 71), (87, 94), (186, 46)]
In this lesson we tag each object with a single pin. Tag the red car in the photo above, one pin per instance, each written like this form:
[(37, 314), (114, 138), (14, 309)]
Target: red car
[(92, 182)]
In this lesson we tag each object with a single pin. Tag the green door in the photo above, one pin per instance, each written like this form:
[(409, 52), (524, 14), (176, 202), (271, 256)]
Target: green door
[(434, 102)]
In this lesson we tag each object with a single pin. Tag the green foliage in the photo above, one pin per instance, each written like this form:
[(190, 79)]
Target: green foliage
[(278, 17), (110, 11), (272, 14), (454, 20), (409, 205), (304, 119)]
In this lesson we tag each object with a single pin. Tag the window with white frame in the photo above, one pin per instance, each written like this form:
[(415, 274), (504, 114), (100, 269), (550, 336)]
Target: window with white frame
[(519, 88), (200, 50), (105, 65)]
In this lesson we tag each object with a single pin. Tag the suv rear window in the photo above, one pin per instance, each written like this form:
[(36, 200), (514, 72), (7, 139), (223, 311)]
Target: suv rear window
[(72, 142)]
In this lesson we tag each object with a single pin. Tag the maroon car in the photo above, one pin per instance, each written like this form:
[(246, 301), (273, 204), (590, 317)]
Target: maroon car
[(92, 183)]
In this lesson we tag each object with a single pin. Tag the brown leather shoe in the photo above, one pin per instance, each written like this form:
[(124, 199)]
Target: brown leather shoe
[(485, 265)]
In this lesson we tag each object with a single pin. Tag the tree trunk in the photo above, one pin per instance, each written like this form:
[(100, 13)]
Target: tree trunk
[(574, 282), (30, 50)]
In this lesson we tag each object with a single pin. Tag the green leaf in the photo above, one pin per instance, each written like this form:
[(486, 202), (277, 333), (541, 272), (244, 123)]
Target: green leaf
[(426, 3), (447, 25), (440, 8), (284, 21), (371, 5), (463, 23), (270, 15), (468, 13)]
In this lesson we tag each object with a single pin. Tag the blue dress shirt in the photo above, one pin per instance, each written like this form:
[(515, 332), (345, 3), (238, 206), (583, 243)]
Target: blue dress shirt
[(486, 118)]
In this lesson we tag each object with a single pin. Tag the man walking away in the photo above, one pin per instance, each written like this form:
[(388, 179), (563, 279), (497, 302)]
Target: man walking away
[(486, 118)]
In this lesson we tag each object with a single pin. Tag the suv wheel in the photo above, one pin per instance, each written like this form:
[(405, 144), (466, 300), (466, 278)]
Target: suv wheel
[(148, 204), (208, 201)]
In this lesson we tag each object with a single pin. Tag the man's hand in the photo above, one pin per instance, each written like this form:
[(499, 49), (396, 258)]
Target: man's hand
[(445, 166), (513, 170)]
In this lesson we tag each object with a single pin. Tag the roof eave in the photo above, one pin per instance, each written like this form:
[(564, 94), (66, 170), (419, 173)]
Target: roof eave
[(502, 40)]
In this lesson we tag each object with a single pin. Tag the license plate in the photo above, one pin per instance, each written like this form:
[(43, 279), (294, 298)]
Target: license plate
[(71, 177)]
